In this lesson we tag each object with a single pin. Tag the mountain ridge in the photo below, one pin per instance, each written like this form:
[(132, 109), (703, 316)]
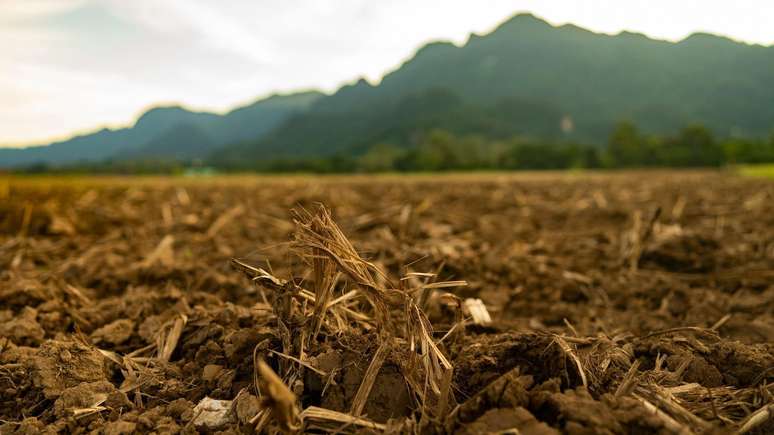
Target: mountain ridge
[(594, 80), (157, 124), (568, 75)]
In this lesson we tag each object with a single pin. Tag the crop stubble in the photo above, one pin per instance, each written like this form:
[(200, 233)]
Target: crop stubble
[(619, 303)]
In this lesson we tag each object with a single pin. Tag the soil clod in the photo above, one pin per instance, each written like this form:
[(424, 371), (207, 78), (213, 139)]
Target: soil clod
[(497, 304)]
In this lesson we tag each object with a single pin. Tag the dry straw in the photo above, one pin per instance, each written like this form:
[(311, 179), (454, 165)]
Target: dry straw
[(348, 294)]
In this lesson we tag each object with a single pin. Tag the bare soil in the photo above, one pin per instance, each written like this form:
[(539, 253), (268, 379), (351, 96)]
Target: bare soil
[(620, 303)]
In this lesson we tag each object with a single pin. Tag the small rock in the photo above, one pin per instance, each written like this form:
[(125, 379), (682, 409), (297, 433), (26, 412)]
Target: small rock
[(212, 414)]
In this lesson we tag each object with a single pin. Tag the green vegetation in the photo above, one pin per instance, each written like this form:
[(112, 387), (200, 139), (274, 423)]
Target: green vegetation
[(758, 170), (437, 149), (551, 84), (441, 150)]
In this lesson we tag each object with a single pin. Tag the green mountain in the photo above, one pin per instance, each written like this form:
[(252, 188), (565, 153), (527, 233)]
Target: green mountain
[(185, 141), (169, 132), (526, 79), (529, 78)]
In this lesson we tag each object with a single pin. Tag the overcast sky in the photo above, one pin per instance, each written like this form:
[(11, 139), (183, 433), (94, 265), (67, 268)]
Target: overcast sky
[(73, 65)]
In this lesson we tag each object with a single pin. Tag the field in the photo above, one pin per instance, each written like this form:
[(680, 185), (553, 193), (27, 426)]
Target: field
[(632, 302), (757, 170)]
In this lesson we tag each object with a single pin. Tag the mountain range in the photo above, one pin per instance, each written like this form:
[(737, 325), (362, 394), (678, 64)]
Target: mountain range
[(526, 78), (167, 133)]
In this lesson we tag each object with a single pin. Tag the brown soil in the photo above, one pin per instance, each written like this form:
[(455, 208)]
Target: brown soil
[(620, 303)]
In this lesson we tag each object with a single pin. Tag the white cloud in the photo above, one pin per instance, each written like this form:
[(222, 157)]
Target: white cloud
[(200, 23)]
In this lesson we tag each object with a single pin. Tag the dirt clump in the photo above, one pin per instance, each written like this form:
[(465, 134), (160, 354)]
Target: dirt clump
[(684, 252), (614, 303), (500, 420), (116, 332), (59, 365), (90, 395), (22, 329)]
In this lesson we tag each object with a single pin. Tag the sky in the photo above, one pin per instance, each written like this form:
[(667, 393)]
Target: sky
[(70, 66)]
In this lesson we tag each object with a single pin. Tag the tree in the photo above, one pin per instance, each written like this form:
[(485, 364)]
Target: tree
[(625, 146), (379, 158), (437, 152), (694, 146)]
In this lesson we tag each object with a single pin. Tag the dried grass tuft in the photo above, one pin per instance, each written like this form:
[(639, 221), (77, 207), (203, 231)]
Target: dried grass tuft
[(320, 241), (368, 300)]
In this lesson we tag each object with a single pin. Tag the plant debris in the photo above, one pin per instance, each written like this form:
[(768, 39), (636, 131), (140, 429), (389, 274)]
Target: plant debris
[(502, 304)]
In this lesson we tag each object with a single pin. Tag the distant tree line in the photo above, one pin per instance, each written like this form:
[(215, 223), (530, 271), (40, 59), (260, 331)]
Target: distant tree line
[(133, 167), (627, 147), (442, 150)]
